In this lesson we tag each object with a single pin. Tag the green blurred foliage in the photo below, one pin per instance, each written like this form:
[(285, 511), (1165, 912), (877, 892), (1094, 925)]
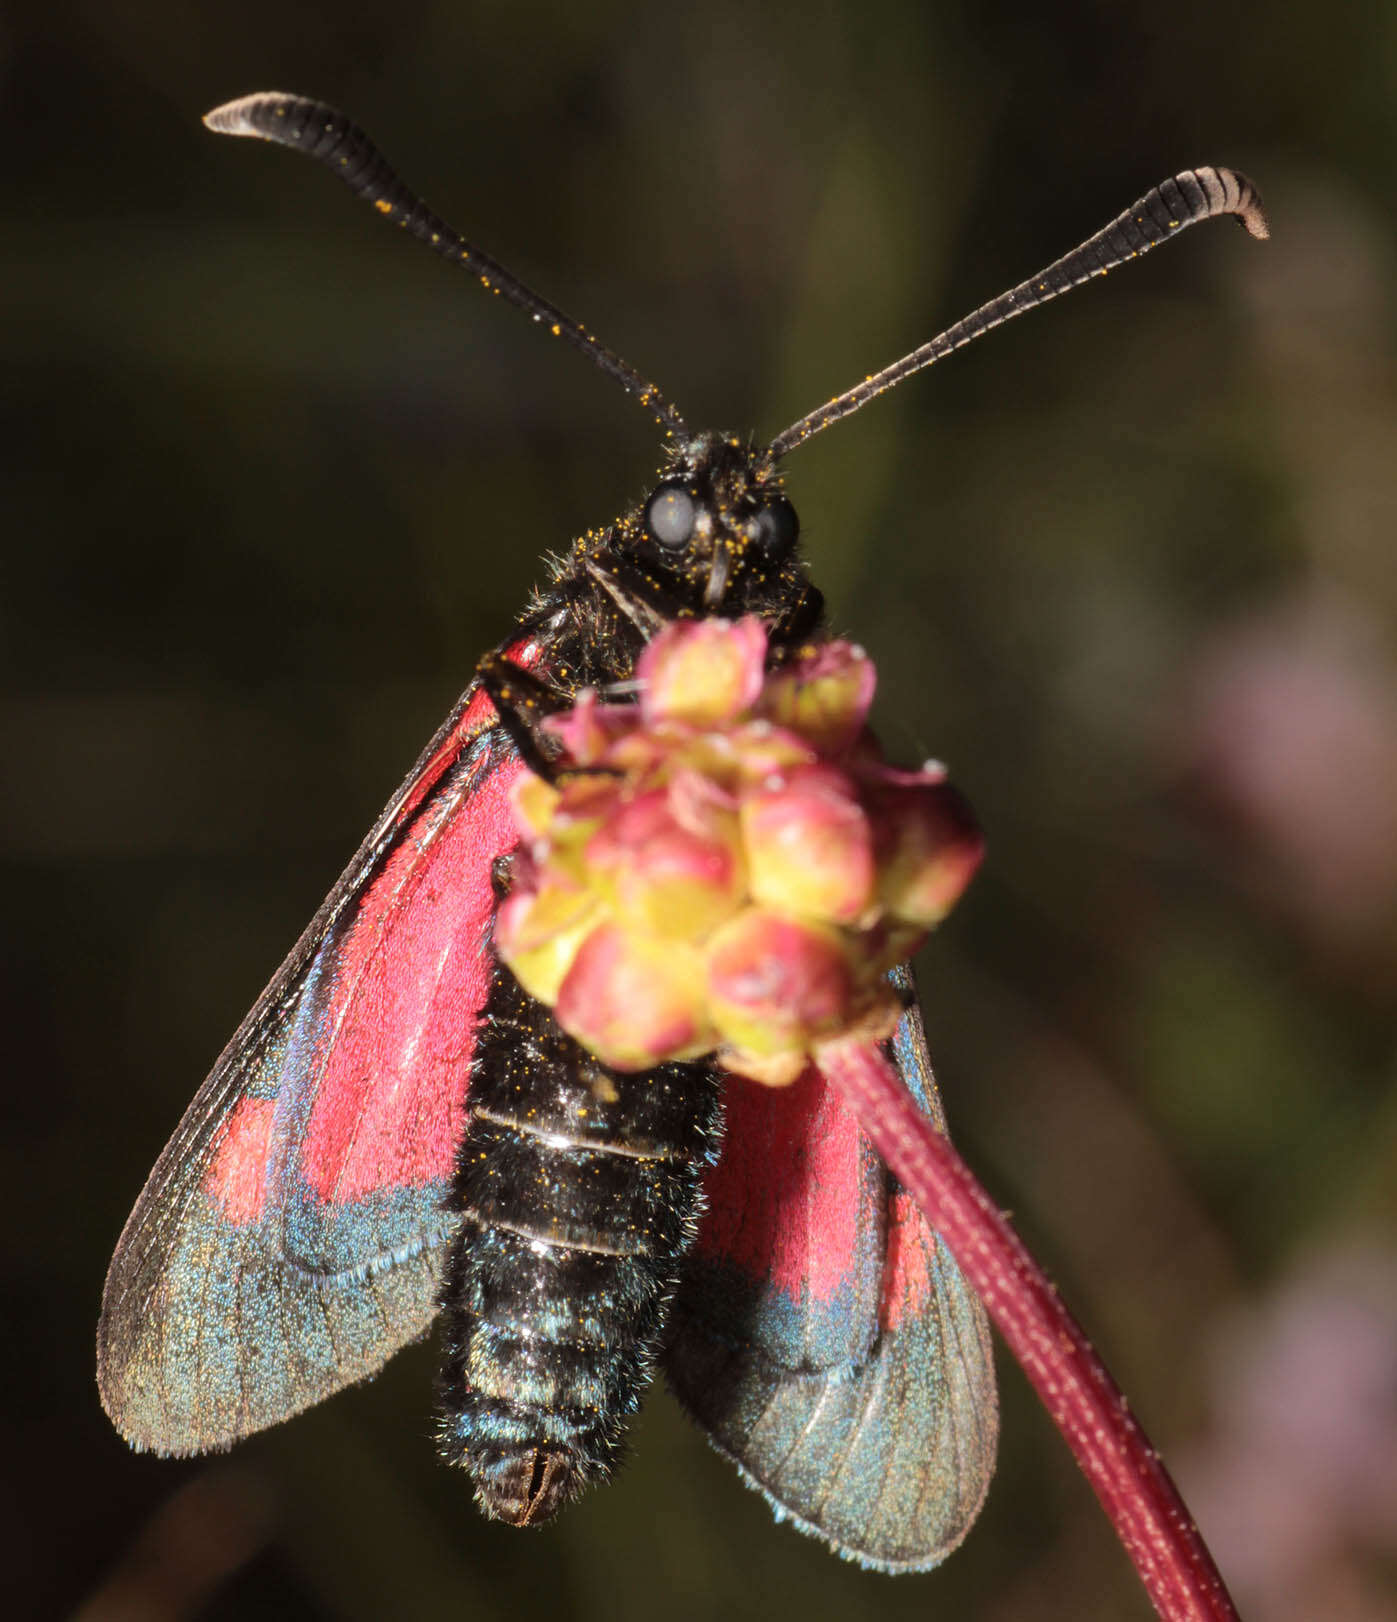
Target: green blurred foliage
[(275, 480)]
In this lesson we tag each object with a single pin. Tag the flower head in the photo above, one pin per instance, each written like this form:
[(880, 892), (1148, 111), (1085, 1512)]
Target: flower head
[(728, 865)]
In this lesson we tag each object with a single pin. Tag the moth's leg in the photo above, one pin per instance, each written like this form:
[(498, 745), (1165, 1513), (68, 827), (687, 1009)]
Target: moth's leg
[(523, 701), (644, 602)]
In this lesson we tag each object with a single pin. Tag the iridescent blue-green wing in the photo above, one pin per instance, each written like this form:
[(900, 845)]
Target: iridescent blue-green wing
[(292, 1235), (824, 1336)]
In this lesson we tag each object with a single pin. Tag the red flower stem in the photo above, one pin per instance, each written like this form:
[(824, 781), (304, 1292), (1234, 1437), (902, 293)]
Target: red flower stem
[(1085, 1403)]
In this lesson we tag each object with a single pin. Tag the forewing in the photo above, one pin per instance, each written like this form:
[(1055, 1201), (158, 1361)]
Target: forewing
[(292, 1233), (824, 1336)]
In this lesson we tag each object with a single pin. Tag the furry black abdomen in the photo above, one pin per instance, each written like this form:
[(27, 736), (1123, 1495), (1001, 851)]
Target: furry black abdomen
[(579, 1189)]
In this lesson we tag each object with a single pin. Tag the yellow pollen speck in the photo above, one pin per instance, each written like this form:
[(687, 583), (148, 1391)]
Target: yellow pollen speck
[(384, 206), (556, 330)]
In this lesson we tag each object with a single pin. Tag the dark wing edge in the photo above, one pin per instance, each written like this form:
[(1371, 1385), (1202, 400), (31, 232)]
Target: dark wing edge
[(170, 1381), (889, 1459)]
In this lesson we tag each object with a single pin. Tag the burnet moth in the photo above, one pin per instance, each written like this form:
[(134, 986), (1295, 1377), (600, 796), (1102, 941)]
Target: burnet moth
[(398, 1131)]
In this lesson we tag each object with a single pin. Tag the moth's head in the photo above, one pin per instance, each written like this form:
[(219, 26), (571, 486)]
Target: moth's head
[(717, 528)]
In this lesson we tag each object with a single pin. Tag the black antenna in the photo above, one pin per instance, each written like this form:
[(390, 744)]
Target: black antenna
[(321, 132), (1194, 195)]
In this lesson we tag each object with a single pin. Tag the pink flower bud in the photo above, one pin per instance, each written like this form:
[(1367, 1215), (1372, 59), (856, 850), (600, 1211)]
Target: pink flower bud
[(769, 1069), (929, 848), (533, 802), (759, 750), (588, 727), (540, 927), (776, 984), (824, 696), (663, 876), (585, 803), (701, 803), (634, 1000), (809, 846), (702, 672)]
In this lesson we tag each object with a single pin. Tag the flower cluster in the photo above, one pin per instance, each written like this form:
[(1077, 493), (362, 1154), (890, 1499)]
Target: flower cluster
[(728, 864)]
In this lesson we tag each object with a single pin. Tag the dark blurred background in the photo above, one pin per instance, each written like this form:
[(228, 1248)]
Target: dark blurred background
[(275, 478)]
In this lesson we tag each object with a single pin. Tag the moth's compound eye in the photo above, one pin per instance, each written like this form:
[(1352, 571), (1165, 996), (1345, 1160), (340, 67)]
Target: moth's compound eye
[(670, 515), (777, 527)]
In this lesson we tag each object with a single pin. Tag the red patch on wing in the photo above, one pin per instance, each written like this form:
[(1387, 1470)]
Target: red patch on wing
[(787, 1200), (411, 980), (236, 1181), (907, 1284)]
